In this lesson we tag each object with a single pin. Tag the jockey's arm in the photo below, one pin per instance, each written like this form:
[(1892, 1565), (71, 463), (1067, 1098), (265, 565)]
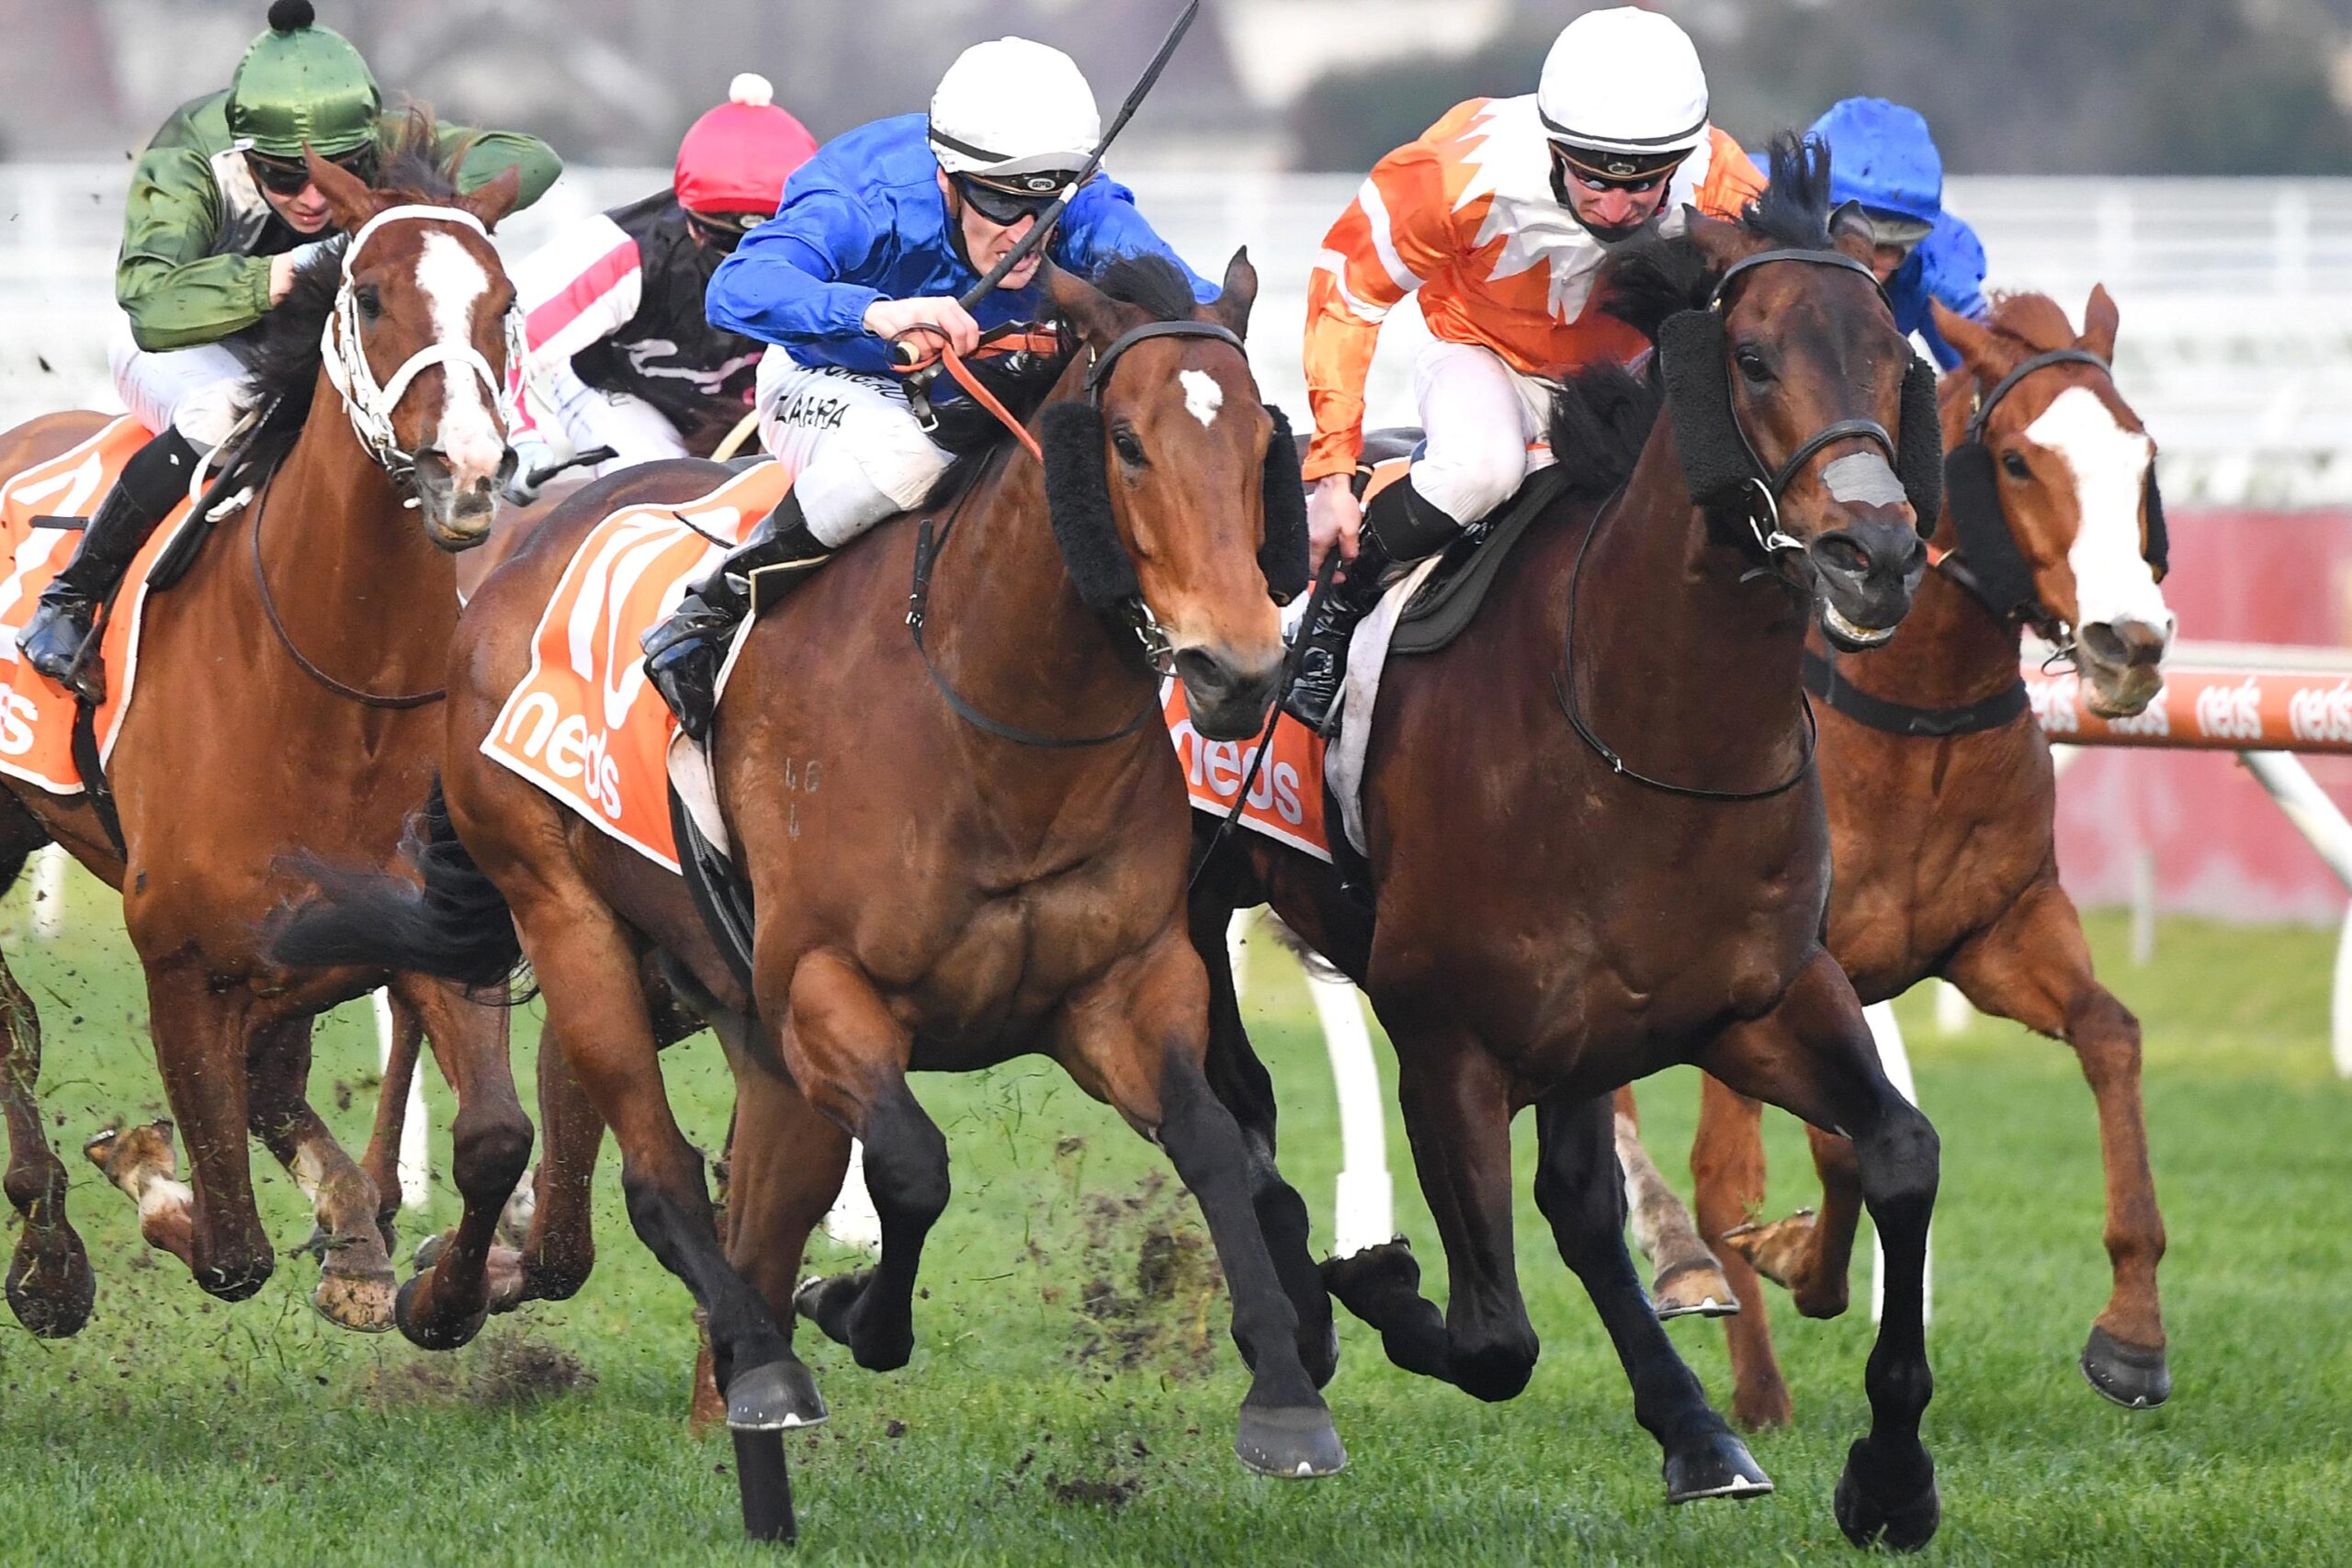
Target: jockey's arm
[(1103, 223), (577, 289), (787, 282), (176, 293), (1952, 259), (483, 156)]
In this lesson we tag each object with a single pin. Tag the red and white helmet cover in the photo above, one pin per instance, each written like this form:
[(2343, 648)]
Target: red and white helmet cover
[(737, 156)]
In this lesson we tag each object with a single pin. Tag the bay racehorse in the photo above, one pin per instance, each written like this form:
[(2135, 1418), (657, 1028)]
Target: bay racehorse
[(965, 839), (1941, 811), (284, 703), (1597, 836)]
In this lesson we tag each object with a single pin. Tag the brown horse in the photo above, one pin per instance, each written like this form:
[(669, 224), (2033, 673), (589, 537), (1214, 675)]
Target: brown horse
[(281, 706), (1554, 918), (1941, 802), (962, 846)]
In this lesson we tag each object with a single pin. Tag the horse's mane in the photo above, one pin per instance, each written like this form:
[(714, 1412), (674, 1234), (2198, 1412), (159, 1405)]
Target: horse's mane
[(1149, 282), (280, 353), (1600, 421)]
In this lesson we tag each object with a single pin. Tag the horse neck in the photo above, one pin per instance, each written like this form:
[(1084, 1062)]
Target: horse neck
[(1688, 671), (361, 589)]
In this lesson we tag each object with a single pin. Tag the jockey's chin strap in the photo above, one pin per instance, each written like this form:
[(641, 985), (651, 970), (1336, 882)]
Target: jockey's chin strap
[(369, 402)]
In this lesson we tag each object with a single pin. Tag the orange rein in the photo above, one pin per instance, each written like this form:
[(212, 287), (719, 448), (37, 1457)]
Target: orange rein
[(1003, 341)]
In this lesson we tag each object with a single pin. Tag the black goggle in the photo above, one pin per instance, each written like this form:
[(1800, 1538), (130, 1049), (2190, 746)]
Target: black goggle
[(1625, 176), (724, 231), (1005, 208), (285, 176)]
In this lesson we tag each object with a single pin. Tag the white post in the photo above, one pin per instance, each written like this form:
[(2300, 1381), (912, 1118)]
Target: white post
[(852, 1221), (2143, 907), (415, 1164), (1954, 1012), (48, 890), (1363, 1212), (2306, 806), (1897, 1065), (2340, 1012)]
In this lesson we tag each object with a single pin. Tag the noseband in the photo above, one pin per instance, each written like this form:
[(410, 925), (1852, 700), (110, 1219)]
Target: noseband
[(371, 404)]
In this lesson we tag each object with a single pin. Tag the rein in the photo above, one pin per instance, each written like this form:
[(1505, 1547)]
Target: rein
[(285, 639)]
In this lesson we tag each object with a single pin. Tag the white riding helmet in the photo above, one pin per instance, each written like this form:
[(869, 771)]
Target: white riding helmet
[(1623, 88), (1008, 107)]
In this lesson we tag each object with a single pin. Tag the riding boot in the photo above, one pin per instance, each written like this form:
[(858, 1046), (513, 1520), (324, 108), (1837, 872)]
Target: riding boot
[(1398, 527), (57, 639), (683, 654)]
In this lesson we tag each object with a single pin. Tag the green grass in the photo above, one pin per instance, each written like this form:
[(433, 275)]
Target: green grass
[(179, 1430)]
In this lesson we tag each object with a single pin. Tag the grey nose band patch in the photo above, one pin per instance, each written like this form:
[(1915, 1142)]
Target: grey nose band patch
[(1862, 479)]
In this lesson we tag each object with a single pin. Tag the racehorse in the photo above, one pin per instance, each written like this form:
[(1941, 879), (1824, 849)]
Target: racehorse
[(1597, 839), (283, 704), (1941, 806), (964, 833)]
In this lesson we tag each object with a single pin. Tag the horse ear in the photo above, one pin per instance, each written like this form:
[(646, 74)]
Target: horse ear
[(494, 198), (1972, 340), (1095, 313), (1849, 231), (349, 201), (2100, 319), (1718, 241), (1236, 294)]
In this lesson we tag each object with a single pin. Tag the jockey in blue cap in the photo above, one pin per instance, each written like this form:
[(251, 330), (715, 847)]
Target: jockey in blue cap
[(879, 232), (1882, 155)]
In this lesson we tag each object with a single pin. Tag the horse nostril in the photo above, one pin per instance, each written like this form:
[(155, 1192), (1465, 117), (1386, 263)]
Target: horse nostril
[(1840, 551), (2127, 642)]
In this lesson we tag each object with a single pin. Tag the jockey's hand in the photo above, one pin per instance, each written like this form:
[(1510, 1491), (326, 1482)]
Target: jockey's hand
[(888, 318), (1334, 518), (281, 274)]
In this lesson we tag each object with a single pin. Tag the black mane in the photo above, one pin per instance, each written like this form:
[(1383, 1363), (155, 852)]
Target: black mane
[(1646, 283), (1600, 421)]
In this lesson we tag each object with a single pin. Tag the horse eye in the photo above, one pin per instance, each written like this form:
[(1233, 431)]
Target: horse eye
[(2015, 467), (370, 303), (1130, 450), (1751, 365)]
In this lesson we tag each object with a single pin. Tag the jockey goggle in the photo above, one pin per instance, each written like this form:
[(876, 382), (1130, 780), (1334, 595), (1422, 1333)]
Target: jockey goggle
[(1007, 199), (288, 176), (1596, 170), (722, 231), (1896, 232)]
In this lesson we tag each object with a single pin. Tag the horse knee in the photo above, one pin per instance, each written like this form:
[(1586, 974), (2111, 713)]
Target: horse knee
[(1494, 1370), (906, 1165), (489, 1153), (30, 1183)]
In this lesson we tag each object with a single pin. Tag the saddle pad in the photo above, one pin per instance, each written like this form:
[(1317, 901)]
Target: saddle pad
[(583, 724), (36, 715), (1285, 798)]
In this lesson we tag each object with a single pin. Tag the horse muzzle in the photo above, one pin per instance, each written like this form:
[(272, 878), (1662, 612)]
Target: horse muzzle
[(1227, 696), (2124, 660), (457, 514), (1864, 577)]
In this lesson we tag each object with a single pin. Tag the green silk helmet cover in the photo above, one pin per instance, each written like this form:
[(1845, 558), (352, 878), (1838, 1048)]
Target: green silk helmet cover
[(302, 84)]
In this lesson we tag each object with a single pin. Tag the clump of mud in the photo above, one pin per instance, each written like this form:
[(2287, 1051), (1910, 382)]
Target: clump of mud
[(503, 1371), (1153, 1293)]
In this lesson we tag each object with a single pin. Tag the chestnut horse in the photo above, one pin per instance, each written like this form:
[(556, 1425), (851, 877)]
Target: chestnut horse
[(963, 845), (1941, 802), (282, 706), (1553, 917)]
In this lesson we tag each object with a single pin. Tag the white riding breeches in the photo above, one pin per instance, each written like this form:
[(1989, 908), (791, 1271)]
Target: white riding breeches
[(850, 442), (590, 418), (199, 390), (1480, 417)]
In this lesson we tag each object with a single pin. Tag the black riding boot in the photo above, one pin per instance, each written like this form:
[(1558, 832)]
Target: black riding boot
[(54, 639), (1398, 527), (682, 655)]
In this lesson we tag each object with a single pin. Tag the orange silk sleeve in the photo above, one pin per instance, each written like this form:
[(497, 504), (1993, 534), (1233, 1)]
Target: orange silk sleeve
[(1732, 180)]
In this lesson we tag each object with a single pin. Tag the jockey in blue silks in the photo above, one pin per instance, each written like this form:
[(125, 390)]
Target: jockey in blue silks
[(878, 232), (1882, 155)]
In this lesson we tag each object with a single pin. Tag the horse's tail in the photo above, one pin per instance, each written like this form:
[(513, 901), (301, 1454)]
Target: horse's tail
[(456, 925)]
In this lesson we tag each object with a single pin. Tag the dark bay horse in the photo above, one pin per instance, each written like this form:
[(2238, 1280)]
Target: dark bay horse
[(960, 850), (1941, 806), (1553, 919), (261, 726)]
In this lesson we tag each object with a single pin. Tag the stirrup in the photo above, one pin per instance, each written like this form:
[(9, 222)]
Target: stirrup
[(79, 670)]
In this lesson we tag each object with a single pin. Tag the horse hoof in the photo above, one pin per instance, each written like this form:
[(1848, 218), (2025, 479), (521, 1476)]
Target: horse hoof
[(119, 1151), (51, 1290), (830, 1301), (1294, 1443), (1695, 1289), (778, 1397), (362, 1302), (1775, 1251), (2131, 1377), (1374, 1271), (237, 1281), (1904, 1526), (1719, 1465), (429, 1250), (427, 1334)]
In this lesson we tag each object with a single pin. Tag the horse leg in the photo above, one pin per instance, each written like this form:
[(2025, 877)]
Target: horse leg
[(442, 1305), (1579, 1188), (1456, 1099), (1136, 1039), (1812, 1054), (856, 1054), (2033, 965), (50, 1285), (783, 1172), (598, 1011), (1245, 1089), (560, 1249), (1727, 1177), (381, 1158), (355, 1280), (1688, 1281)]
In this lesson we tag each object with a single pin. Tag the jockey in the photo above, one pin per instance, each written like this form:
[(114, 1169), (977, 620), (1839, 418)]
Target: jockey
[(1882, 155), (880, 231), (222, 213), (617, 352), (1500, 214)]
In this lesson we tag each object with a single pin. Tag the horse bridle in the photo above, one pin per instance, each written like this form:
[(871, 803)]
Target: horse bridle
[(1158, 652)]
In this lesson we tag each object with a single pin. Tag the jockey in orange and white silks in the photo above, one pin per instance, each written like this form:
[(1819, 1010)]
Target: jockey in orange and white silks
[(618, 351), (1499, 216)]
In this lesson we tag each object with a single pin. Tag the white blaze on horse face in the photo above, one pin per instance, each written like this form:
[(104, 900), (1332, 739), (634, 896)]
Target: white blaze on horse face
[(2112, 580), (453, 283), (1202, 396)]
